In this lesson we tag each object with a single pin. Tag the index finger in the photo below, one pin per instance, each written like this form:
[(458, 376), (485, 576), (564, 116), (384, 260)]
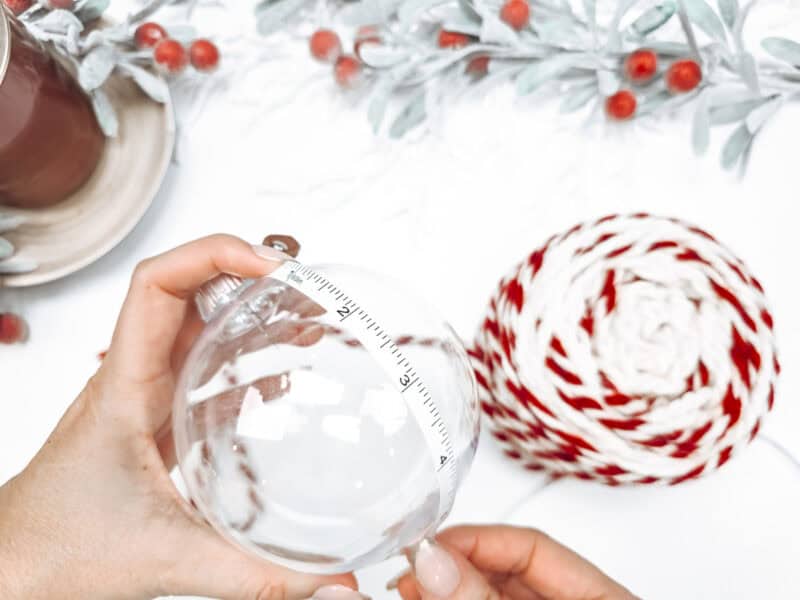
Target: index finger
[(161, 289), (537, 560)]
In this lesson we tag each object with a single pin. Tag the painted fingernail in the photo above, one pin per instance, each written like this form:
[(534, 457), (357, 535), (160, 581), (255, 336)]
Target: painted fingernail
[(394, 581), (436, 570), (337, 592), (271, 253)]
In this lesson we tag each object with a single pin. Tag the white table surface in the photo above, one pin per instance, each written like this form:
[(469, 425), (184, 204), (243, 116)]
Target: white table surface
[(281, 150)]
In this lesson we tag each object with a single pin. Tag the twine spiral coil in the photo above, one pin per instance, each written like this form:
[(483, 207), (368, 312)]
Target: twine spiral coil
[(628, 350)]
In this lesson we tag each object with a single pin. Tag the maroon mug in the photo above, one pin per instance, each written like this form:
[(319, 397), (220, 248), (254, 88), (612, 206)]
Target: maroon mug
[(50, 142)]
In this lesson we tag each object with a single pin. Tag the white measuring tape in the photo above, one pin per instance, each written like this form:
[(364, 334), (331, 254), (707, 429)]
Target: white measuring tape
[(356, 321)]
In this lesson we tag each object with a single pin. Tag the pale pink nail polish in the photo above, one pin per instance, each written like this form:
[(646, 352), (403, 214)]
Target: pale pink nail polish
[(337, 592), (270, 253), (436, 570)]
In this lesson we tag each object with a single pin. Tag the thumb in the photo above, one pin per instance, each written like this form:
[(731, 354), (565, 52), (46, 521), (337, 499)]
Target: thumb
[(440, 573), (211, 566)]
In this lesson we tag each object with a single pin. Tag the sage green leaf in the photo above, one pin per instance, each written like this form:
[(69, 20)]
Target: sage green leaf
[(409, 9), (6, 248), (608, 82), (469, 10), (653, 18), (377, 109), (735, 146), (412, 115), (729, 9), (783, 49), (105, 113), (272, 16), (368, 12), (530, 78), (701, 126), (495, 31), (382, 56), (614, 39), (577, 98), (749, 72), (150, 84), (9, 222), (92, 9), (758, 116), (702, 15), (17, 265), (96, 67), (59, 21), (590, 8), (732, 113)]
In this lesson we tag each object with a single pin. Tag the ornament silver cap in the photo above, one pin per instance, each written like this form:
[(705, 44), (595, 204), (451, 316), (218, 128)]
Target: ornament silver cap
[(216, 293), (224, 289)]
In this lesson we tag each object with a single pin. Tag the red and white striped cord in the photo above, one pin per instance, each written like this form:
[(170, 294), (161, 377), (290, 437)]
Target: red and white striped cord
[(628, 350)]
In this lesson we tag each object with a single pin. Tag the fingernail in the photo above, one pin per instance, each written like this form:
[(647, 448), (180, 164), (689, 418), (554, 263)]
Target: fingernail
[(337, 592), (394, 581), (436, 570), (271, 253)]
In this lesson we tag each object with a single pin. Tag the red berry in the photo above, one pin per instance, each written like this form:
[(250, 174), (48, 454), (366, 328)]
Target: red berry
[(516, 13), (683, 76), (12, 329), (170, 55), (204, 55), (347, 71), (641, 65), (62, 4), (18, 6), (478, 66), (325, 45), (453, 39), (621, 105), (366, 35), (148, 35)]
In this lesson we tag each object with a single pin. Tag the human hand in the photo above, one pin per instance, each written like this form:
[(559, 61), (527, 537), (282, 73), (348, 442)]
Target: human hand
[(509, 563), (95, 514)]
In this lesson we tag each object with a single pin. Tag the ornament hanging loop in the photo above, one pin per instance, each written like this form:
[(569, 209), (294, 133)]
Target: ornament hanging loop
[(285, 243)]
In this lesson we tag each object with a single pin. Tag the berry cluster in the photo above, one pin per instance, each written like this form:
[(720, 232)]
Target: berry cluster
[(170, 55), (326, 47), (515, 13), (640, 67)]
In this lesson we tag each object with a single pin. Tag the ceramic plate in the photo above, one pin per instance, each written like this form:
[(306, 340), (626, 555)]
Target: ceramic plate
[(76, 232)]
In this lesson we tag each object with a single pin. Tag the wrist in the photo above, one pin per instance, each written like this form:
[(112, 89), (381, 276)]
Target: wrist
[(28, 557), (16, 574)]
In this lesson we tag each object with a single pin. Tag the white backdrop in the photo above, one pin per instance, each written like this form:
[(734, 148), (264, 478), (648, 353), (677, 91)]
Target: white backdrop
[(281, 150)]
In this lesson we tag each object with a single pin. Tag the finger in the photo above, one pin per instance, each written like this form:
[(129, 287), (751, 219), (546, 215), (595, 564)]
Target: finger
[(537, 561), (440, 573), (160, 292), (211, 566), (408, 588)]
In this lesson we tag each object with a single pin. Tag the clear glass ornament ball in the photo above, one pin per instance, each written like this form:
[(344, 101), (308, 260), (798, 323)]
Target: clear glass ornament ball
[(291, 438)]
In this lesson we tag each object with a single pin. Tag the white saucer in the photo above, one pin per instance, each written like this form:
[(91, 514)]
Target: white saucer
[(74, 233)]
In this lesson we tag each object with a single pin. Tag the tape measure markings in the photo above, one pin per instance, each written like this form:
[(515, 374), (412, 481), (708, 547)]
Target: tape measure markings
[(388, 355)]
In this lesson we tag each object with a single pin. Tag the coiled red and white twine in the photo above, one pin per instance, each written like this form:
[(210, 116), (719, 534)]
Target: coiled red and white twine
[(632, 349)]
